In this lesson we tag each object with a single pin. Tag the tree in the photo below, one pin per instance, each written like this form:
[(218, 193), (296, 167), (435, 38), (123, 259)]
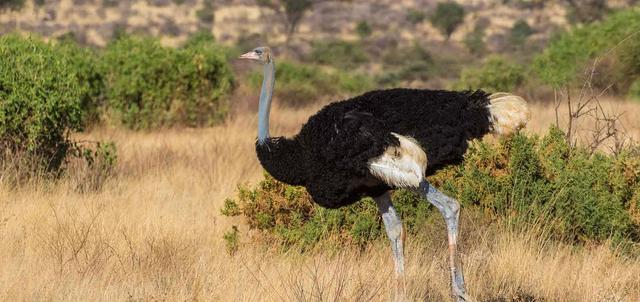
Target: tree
[(363, 29), (291, 12), (447, 17), (474, 40), (519, 33)]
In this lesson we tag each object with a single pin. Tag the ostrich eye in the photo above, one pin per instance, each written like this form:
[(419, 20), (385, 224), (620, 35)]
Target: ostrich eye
[(259, 52)]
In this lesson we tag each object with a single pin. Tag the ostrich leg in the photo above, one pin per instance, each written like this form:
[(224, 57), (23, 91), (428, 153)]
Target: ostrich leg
[(395, 231), (450, 210)]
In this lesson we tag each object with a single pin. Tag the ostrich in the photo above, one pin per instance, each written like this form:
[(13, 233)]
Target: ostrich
[(382, 140)]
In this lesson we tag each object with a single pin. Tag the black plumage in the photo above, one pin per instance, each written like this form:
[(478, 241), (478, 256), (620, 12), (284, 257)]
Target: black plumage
[(330, 155)]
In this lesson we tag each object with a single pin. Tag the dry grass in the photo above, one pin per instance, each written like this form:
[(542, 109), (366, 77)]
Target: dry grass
[(153, 232)]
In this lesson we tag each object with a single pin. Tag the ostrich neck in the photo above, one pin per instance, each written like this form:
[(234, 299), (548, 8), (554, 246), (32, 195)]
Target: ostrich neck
[(265, 101)]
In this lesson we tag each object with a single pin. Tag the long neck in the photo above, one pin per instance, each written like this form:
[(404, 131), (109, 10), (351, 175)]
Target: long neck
[(265, 101)]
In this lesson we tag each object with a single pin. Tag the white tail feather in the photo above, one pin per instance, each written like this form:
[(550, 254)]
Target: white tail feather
[(508, 113)]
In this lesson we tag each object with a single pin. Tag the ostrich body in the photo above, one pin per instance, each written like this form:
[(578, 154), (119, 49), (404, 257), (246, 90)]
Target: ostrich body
[(382, 140)]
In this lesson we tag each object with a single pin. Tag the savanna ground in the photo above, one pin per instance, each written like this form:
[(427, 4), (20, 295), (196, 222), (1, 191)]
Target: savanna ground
[(154, 232)]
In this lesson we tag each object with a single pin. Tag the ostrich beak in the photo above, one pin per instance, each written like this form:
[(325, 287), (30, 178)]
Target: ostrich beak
[(249, 56)]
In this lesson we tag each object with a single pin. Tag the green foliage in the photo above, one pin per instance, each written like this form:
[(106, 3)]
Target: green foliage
[(40, 101), (447, 17), (580, 197), (521, 181), (587, 11), (11, 4), (200, 37), (339, 53), (496, 74), (85, 64), (363, 29), (627, 65), (634, 90), (519, 33), (287, 215), (230, 208), (474, 41), (299, 84), (293, 10), (232, 240), (569, 53), (406, 64), (206, 14), (150, 86), (110, 3), (415, 16)]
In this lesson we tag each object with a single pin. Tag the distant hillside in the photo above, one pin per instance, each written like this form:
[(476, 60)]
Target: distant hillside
[(95, 21)]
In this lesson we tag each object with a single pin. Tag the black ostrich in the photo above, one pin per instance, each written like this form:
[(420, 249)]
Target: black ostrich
[(382, 140)]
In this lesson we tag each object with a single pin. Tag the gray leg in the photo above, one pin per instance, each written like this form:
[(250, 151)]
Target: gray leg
[(450, 210), (395, 231)]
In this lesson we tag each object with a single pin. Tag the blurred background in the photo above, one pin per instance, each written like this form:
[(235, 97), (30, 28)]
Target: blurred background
[(490, 44)]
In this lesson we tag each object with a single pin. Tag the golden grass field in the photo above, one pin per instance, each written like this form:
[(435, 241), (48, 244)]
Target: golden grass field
[(154, 233)]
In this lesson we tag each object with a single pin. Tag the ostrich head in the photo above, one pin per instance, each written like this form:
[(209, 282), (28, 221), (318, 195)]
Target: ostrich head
[(260, 54)]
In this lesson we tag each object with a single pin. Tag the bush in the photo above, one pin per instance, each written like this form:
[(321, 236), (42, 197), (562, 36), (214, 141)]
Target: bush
[(299, 85), (415, 16), (519, 33), (151, 86), (447, 17), (11, 4), (568, 53), (406, 64), (496, 74), (206, 14), (363, 29), (40, 102), (634, 90), (474, 41), (627, 65), (340, 54), (85, 64), (520, 181)]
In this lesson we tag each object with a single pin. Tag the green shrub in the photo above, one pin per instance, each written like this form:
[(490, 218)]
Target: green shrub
[(11, 4), (204, 39), (152, 86), (40, 101), (206, 14), (519, 33), (110, 3), (341, 54), (496, 74), (85, 64), (407, 56), (201, 37), (232, 240), (363, 29), (474, 41), (447, 17), (406, 64), (299, 84), (415, 16), (568, 54), (519, 182), (634, 90), (627, 65)]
